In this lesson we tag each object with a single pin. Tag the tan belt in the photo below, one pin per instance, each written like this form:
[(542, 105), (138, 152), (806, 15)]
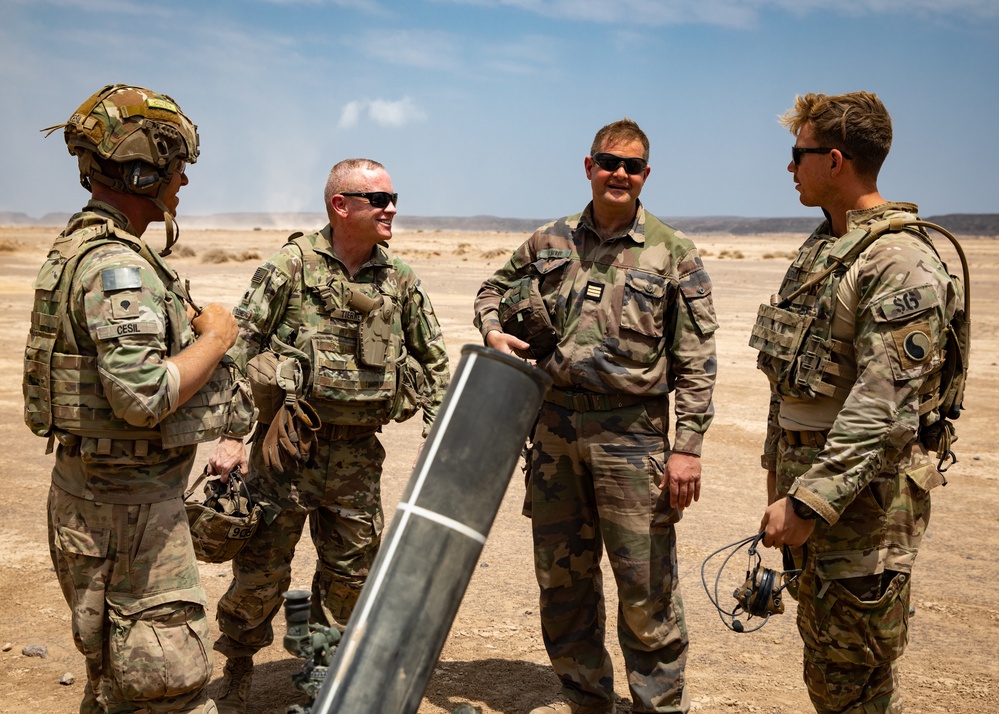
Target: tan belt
[(591, 401), (814, 439)]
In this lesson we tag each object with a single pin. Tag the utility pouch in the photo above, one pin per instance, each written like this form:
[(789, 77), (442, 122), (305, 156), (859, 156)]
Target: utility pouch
[(779, 335), (523, 314)]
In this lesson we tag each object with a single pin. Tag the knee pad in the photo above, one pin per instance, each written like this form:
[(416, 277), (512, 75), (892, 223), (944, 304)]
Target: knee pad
[(160, 651)]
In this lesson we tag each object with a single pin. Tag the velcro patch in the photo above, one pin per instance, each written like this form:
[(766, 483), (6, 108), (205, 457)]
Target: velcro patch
[(594, 291), (124, 305), (904, 303), (110, 332), (120, 279), (351, 315), (258, 276), (913, 344)]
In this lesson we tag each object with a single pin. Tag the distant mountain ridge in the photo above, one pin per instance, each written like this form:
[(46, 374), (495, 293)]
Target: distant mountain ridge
[(970, 224)]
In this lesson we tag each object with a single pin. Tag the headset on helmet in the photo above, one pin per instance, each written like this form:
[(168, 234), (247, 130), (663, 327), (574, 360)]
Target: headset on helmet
[(132, 140)]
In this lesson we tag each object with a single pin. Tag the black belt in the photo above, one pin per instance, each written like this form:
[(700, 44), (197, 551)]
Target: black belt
[(591, 401), (814, 439)]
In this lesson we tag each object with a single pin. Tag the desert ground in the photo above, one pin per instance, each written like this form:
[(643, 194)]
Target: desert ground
[(494, 658)]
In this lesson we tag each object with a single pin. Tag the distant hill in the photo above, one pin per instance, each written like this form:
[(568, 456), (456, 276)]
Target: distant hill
[(969, 224)]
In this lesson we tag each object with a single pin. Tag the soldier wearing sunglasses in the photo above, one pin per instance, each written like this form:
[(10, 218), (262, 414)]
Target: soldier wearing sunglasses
[(354, 336), (619, 313), (854, 356)]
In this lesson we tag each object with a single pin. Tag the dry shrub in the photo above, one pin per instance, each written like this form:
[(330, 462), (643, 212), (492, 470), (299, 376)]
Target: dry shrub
[(733, 254), (462, 248), (183, 251), (215, 256), (495, 253), (248, 255), (705, 253), (9, 246)]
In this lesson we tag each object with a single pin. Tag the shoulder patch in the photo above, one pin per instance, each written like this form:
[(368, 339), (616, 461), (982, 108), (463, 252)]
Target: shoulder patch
[(120, 279), (904, 303), (124, 305)]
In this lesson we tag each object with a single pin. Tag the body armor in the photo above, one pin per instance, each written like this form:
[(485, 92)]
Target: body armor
[(357, 370), (62, 389)]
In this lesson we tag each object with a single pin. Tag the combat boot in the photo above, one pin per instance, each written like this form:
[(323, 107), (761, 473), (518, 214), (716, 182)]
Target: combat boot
[(235, 687), (567, 706)]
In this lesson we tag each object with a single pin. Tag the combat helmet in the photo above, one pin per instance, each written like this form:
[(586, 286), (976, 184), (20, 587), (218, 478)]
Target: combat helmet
[(132, 140)]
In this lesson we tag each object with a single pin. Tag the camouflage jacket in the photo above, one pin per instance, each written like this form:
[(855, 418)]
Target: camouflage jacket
[(108, 312), (633, 315), (309, 314), (906, 298)]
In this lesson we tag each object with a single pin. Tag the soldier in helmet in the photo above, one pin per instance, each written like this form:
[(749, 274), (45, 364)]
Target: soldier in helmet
[(347, 333), (617, 309), (125, 377)]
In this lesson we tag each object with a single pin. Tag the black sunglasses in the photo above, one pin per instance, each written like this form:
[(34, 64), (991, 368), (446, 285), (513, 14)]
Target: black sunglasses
[(798, 151), (378, 199), (610, 162)]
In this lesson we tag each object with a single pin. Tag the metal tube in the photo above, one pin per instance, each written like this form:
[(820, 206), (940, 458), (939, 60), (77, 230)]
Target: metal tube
[(401, 621)]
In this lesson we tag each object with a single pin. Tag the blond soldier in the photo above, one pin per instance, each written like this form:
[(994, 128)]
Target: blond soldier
[(853, 347), (125, 384), (616, 306)]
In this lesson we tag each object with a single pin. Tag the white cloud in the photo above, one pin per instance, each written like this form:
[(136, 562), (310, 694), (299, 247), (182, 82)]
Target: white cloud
[(381, 111), (351, 114)]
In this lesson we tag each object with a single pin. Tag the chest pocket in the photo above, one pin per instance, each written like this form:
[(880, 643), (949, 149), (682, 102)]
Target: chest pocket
[(642, 318)]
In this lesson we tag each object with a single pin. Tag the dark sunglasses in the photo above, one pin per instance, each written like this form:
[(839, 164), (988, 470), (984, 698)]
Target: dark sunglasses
[(610, 162), (378, 199), (798, 151)]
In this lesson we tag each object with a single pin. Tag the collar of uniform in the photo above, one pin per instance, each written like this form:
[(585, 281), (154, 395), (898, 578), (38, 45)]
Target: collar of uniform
[(108, 211), (324, 244), (888, 209), (636, 232)]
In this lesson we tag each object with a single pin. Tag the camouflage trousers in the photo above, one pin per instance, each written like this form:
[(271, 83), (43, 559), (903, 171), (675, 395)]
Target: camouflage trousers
[(594, 481), (340, 495), (853, 595), (130, 577)]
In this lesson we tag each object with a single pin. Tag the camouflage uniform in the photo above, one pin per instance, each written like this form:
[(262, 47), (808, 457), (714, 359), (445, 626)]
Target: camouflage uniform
[(844, 438), (635, 320), (298, 304), (97, 382)]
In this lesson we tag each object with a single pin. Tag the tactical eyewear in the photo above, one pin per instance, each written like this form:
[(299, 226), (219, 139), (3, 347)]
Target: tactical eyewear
[(378, 199), (798, 151), (610, 162)]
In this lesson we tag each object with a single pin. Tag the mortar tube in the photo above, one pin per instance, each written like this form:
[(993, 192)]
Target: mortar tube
[(412, 594)]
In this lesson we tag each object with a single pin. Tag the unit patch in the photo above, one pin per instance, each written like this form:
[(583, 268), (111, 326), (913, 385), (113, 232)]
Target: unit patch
[(913, 345)]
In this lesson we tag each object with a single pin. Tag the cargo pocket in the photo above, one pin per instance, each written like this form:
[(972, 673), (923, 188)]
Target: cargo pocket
[(78, 540), (662, 514), (643, 306), (159, 652), (868, 633)]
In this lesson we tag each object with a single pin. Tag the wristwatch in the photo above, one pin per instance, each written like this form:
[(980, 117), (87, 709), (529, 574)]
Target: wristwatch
[(803, 510)]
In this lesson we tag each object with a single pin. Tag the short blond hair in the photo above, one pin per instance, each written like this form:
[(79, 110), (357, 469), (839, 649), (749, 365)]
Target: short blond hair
[(342, 179), (856, 123)]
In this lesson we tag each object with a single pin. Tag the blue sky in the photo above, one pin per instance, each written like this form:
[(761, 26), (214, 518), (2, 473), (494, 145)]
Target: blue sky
[(489, 106)]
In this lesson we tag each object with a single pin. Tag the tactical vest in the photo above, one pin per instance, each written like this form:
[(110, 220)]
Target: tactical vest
[(802, 359), (357, 368), (63, 390)]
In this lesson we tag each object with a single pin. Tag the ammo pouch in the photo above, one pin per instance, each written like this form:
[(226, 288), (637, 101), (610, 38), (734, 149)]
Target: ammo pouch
[(780, 336), (523, 314), (224, 521)]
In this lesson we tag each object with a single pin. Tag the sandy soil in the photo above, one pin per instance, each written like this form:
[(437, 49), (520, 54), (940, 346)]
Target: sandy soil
[(494, 657)]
